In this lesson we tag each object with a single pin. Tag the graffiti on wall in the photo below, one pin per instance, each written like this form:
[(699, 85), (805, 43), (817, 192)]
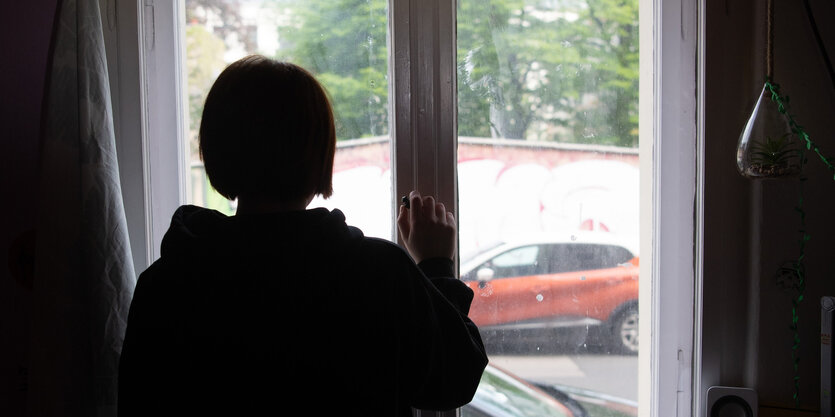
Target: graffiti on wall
[(509, 197)]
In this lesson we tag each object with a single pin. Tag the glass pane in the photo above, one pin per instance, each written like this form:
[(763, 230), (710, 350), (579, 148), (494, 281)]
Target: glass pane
[(343, 43), (581, 257), (518, 257), (548, 159)]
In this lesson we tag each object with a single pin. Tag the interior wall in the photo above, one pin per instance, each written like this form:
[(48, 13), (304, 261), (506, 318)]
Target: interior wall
[(730, 87), (25, 30), (751, 227)]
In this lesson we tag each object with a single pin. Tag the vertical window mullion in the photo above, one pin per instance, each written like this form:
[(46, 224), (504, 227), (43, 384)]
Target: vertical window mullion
[(162, 116), (424, 99), (423, 96), (671, 205)]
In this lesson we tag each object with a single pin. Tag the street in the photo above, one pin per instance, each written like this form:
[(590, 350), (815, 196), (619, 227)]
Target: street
[(574, 357)]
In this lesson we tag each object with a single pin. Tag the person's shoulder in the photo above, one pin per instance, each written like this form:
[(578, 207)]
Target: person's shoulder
[(152, 286), (165, 271), (383, 256), (156, 273), (385, 249)]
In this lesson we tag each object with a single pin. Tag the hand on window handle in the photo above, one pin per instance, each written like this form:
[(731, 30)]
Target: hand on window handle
[(427, 229)]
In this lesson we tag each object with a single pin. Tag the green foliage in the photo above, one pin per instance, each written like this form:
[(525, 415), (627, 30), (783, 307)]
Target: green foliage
[(777, 152), (564, 71), (560, 70), (343, 42), (554, 70), (204, 61)]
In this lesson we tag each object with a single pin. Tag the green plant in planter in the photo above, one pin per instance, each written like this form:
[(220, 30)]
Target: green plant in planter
[(773, 157)]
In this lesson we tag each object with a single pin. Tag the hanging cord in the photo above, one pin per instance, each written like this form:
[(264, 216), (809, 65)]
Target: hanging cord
[(769, 40), (819, 41)]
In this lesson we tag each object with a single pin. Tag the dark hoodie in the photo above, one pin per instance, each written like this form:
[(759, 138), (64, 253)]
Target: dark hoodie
[(263, 314)]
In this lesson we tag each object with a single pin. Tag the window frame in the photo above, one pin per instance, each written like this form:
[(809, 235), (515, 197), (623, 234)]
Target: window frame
[(143, 54), (671, 119)]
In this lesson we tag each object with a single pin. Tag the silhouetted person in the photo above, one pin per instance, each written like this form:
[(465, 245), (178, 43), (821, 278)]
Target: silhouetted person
[(280, 308)]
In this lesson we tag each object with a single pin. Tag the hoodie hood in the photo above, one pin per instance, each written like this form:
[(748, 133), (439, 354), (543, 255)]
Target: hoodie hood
[(201, 232)]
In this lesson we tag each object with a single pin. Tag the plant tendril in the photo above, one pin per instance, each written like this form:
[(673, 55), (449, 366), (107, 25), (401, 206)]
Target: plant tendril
[(796, 268)]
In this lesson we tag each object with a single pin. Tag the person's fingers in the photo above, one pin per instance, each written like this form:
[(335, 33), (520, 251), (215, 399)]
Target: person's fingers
[(415, 206), (403, 222), (426, 228), (428, 209), (440, 212)]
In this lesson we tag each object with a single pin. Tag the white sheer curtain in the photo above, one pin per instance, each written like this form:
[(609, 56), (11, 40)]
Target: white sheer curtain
[(84, 274)]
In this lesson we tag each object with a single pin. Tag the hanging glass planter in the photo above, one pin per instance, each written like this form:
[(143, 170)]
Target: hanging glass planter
[(768, 148)]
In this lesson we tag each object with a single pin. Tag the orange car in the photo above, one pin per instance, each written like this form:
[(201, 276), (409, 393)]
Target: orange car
[(585, 279)]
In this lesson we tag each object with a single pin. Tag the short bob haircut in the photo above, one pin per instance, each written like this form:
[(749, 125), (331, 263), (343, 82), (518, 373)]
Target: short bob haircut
[(267, 132)]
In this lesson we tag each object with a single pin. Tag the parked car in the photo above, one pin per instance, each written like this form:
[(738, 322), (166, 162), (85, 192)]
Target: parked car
[(540, 282), (502, 394)]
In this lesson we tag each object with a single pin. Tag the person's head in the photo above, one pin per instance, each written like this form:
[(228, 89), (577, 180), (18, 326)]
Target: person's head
[(267, 132)]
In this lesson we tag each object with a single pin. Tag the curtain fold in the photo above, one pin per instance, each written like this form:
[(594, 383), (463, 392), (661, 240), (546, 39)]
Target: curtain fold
[(84, 273)]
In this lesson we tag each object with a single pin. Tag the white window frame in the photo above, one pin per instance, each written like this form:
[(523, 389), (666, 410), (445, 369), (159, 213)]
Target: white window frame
[(144, 55), (671, 151)]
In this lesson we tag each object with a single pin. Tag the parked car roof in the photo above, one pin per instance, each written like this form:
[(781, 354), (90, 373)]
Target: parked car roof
[(485, 251)]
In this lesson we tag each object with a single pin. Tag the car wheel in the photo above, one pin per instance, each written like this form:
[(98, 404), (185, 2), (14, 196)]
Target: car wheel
[(624, 331)]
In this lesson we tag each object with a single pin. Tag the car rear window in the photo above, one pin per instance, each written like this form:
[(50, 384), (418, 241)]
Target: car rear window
[(581, 257)]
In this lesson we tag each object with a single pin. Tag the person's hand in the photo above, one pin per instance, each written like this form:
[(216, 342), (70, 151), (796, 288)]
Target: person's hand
[(427, 229)]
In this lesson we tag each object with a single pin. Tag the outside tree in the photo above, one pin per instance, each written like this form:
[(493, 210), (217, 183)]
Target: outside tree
[(343, 42), (562, 70), (554, 70)]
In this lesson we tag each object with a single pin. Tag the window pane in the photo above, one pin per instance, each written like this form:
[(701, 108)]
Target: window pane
[(518, 257), (343, 43), (580, 257), (548, 158)]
